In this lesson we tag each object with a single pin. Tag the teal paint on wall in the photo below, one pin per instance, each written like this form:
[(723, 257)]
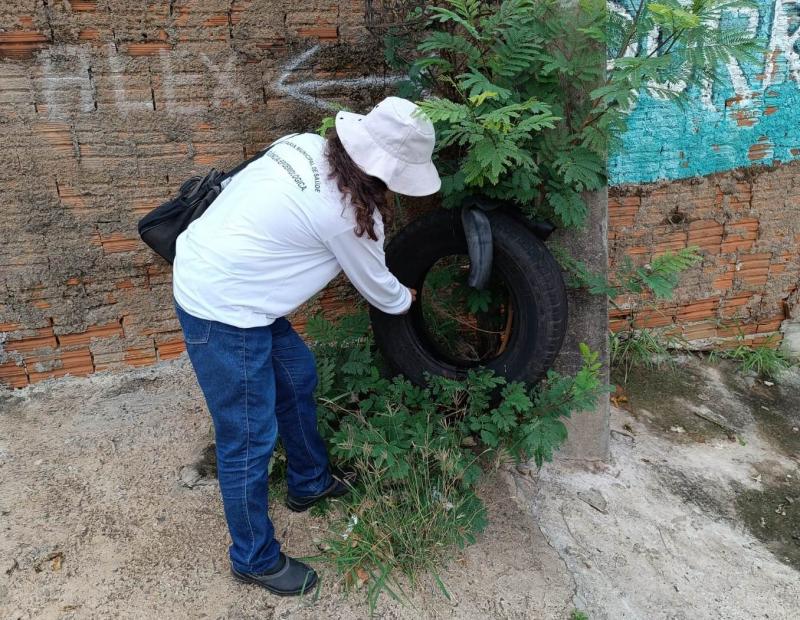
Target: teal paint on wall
[(751, 117)]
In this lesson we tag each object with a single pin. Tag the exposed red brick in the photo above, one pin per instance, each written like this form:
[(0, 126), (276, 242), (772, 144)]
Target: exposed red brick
[(754, 278), (735, 245), (89, 34), (699, 331), (723, 282), (654, 318), (615, 313), (760, 150), (736, 328), (217, 20), (87, 6), (119, 243), (676, 241), (739, 235), (44, 339), (744, 118), (13, 376), (621, 216), (753, 269), (59, 364), (142, 356), (706, 308), (20, 44), (773, 341), (323, 33), (770, 325), (57, 135), (699, 228), (733, 304), (170, 349), (110, 330), (148, 48), (705, 235), (761, 259), (617, 325)]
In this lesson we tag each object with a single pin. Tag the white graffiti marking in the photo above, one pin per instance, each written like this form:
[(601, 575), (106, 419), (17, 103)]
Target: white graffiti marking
[(66, 85), (307, 91), (172, 81), (116, 72), (739, 81), (59, 88), (67, 88), (783, 42), (226, 88)]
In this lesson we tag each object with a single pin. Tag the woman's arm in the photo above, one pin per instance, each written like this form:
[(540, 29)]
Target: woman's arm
[(364, 262)]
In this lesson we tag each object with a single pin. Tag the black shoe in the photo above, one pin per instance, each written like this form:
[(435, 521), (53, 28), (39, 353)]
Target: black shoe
[(337, 488), (291, 579)]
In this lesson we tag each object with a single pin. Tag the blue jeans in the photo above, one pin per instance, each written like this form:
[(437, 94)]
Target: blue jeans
[(258, 383)]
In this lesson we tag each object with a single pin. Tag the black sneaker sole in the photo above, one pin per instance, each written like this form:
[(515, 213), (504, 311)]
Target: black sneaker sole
[(252, 580), (297, 506)]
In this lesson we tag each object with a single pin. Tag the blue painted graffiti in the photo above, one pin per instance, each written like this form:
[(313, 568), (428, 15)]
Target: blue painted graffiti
[(750, 117)]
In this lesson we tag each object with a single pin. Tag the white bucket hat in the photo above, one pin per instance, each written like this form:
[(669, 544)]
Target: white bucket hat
[(394, 143)]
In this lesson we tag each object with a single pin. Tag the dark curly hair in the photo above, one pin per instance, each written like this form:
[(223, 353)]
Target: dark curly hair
[(367, 193)]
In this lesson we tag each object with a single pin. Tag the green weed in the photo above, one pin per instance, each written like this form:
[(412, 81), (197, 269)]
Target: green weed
[(767, 362), (415, 500), (402, 527), (525, 110), (640, 347)]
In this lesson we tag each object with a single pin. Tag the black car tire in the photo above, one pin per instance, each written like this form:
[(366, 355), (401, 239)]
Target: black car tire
[(530, 272)]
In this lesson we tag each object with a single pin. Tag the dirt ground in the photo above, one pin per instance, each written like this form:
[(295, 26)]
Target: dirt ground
[(96, 522), (697, 514)]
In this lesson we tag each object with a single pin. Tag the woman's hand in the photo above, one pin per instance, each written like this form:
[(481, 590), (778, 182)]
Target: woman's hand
[(413, 292)]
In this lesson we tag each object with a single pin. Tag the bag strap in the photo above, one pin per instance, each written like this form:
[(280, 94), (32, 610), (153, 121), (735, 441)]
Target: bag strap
[(258, 155)]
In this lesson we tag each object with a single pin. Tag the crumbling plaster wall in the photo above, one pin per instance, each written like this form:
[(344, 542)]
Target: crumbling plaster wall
[(105, 107), (721, 171), (746, 225)]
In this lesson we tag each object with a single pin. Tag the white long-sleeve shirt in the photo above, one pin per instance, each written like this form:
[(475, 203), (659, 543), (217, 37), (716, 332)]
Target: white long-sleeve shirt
[(277, 234)]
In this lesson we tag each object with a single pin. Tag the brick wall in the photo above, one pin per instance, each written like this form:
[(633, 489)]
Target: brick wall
[(747, 225), (736, 142), (105, 107)]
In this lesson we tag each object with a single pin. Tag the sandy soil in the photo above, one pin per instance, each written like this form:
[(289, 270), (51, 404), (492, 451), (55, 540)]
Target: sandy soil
[(696, 515), (96, 523)]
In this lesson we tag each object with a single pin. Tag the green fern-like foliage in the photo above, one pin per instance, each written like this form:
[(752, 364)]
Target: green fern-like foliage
[(658, 278), (525, 104)]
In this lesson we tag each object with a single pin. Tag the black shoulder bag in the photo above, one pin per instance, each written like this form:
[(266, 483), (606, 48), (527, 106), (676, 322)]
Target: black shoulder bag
[(160, 228)]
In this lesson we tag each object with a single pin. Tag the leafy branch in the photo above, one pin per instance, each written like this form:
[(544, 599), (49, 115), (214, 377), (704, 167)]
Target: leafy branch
[(525, 105)]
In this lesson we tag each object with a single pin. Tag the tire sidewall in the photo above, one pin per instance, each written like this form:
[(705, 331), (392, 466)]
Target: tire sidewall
[(532, 276)]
